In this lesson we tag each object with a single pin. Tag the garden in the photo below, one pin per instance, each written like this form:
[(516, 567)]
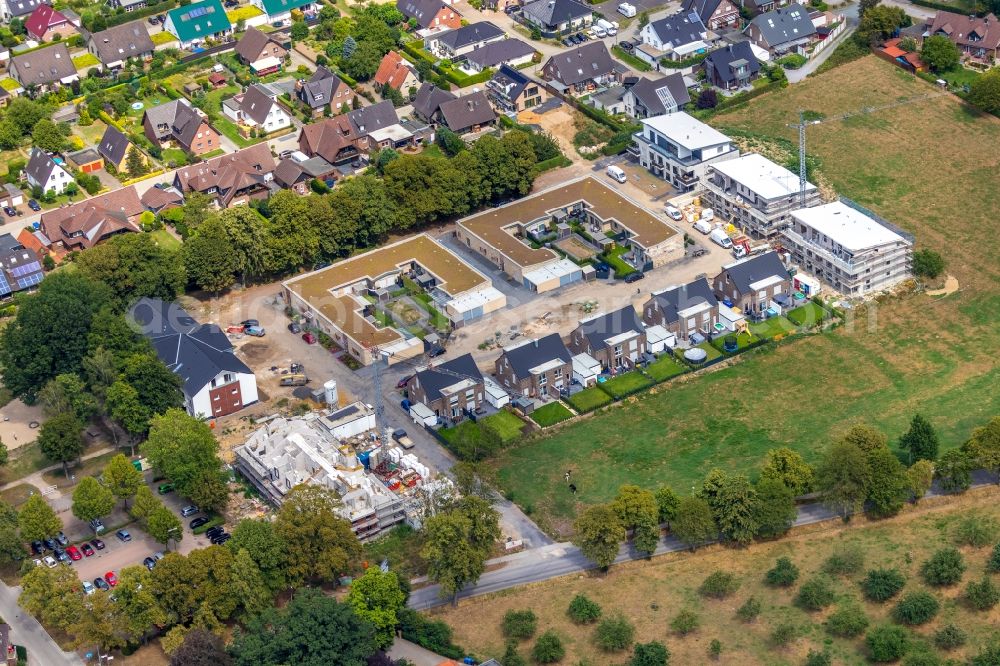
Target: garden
[(550, 414)]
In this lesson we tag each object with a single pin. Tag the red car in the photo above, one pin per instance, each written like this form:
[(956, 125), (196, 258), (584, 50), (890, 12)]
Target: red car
[(87, 549), (309, 338), (111, 578), (74, 553)]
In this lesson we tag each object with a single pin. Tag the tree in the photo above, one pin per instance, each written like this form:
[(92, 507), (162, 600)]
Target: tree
[(694, 525), (916, 608), (707, 99), (157, 387), (982, 595), (181, 447), (583, 611), (163, 525), (782, 574), (653, 653), (945, 567), (879, 23), (252, 593), (614, 634), (940, 53), (135, 163), (67, 393), (774, 511), (201, 648), (134, 266), (882, 584), (246, 230), (920, 475), (267, 548), (954, 471), (209, 257), (598, 534), (11, 548), (843, 477), (815, 594), (788, 466), (101, 624), (61, 439), (350, 46), (145, 504), (319, 544), (685, 622), (634, 506), (927, 262), (377, 598), (46, 135), (519, 625), (887, 643), (312, 629), (122, 478), (454, 561), (140, 608), (889, 485), (208, 491), (984, 446), (866, 5), (548, 648), (921, 440), (52, 596), (92, 500), (667, 502), (300, 30), (734, 507)]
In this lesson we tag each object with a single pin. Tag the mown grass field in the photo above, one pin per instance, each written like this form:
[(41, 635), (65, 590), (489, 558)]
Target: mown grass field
[(922, 166), (650, 594)]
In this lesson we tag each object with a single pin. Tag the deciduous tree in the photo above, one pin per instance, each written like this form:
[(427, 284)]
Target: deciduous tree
[(123, 405), (984, 446), (134, 266), (939, 53), (453, 560), (52, 596), (252, 592), (92, 500), (37, 520), (598, 534), (145, 503), (182, 447), (266, 547), (377, 598), (694, 525), (735, 509), (635, 506), (66, 393), (122, 478), (164, 525), (843, 477), (11, 549), (666, 502), (927, 262), (101, 624), (921, 440), (158, 388), (920, 475), (788, 466), (888, 486), (61, 439), (209, 257), (320, 545), (954, 471), (774, 511), (201, 648), (141, 609)]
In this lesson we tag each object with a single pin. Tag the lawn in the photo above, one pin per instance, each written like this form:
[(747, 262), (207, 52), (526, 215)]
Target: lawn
[(906, 355), (588, 399), (507, 424), (174, 157), (85, 60), (711, 351), (550, 414), (92, 133), (809, 314), (773, 327), (636, 63), (625, 384), (664, 368), (160, 38), (613, 258), (19, 494), (9, 84), (165, 239)]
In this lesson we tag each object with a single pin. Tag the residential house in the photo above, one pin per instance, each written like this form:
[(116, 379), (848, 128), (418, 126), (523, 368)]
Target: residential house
[(512, 91), (197, 23), (430, 15), (181, 123), (396, 72), (323, 90), (977, 38), (298, 174), (675, 37), (582, 69), (684, 310), (678, 148), (755, 194), (714, 14), (377, 126), (44, 69), (21, 9), (87, 223), (116, 45), (45, 23), (461, 41), (232, 179), (45, 173), (783, 30), (852, 251), (616, 340), (427, 103), (114, 148), (649, 97), (451, 389), (334, 139), (557, 17), (732, 67), (158, 199), (127, 5), (262, 52), (536, 368), (215, 381), (468, 113), (257, 109), (280, 11), (513, 52), (753, 284), (20, 267), (756, 7)]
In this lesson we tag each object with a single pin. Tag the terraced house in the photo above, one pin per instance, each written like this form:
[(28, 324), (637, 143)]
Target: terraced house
[(451, 390), (534, 368), (684, 310), (197, 23), (616, 340)]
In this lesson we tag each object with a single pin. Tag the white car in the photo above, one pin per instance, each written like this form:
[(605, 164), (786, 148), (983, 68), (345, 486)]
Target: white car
[(88, 587), (673, 213), (50, 561), (38, 563)]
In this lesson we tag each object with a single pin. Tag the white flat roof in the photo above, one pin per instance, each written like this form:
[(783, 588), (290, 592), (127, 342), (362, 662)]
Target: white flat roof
[(762, 176), (551, 270), (686, 131), (657, 333), (264, 63), (850, 228), (479, 298), (697, 45), (766, 282), (391, 133)]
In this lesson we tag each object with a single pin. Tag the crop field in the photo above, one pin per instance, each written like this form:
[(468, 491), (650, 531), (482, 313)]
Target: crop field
[(651, 593), (921, 166)]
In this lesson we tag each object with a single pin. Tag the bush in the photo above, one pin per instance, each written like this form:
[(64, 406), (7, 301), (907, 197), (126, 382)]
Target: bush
[(653, 653), (975, 531), (916, 608), (783, 574), (685, 622), (548, 648), (719, 585), (921, 657), (815, 658), (927, 263), (614, 634), (214, 522), (815, 594), (845, 561), (882, 584), (848, 621), (949, 637), (993, 564), (784, 634), (434, 635), (945, 567), (519, 624), (982, 595), (749, 611), (583, 611), (887, 643)]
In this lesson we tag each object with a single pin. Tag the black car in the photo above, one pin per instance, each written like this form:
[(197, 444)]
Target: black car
[(294, 328), (634, 277), (198, 522), (61, 538), (220, 539), (33, 205), (61, 555), (435, 351), (246, 323), (10, 211), (50, 543), (626, 45), (212, 532), (149, 563), (567, 42), (101, 584), (97, 543), (37, 547), (700, 252)]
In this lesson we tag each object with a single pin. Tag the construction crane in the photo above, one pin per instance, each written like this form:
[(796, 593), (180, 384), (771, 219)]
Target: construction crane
[(381, 425)]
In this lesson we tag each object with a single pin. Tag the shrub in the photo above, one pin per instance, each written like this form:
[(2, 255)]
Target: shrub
[(548, 648), (685, 622), (927, 263), (815, 594), (993, 564), (715, 649), (921, 657), (653, 653), (882, 584), (845, 561), (988, 656), (945, 567), (519, 624), (982, 595), (916, 608), (784, 634), (435, 635), (848, 621), (583, 611), (783, 574), (887, 643), (749, 611), (949, 637), (815, 658), (511, 656), (975, 531), (719, 585), (614, 634)]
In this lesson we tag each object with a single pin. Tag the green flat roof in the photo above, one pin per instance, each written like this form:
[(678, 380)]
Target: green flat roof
[(275, 7), (199, 20)]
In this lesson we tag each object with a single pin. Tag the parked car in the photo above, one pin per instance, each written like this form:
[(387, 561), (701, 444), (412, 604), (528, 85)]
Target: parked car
[(87, 550), (97, 525), (74, 553), (149, 563), (101, 584), (34, 205), (165, 488), (247, 323), (214, 531), (61, 538), (37, 547), (309, 338), (97, 544), (255, 331), (123, 536), (49, 561), (158, 555), (435, 351), (673, 213), (700, 252), (153, 20), (198, 522), (61, 555), (626, 46), (404, 381), (50, 543), (88, 587), (111, 578), (220, 539), (189, 510), (294, 328), (10, 211), (634, 277), (566, 41)]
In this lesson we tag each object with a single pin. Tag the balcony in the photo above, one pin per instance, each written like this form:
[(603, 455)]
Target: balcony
[(676, 159)]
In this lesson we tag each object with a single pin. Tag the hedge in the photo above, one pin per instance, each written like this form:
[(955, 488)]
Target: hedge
[(630, 59), (418, 52), (103, 115), (947, 8), (552, 163), (465, 80), (681, 64), (214, 522)]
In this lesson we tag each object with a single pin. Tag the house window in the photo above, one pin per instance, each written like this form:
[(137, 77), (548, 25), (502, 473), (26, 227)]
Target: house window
[(543, 380)]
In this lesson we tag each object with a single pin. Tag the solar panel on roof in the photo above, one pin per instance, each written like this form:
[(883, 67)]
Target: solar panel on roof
[(21, 271), (4, 287), (29, 281)]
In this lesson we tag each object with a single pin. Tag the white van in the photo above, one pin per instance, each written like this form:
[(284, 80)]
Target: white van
[(625, 9), (609, 26), (599, 32), (708, 214), (721, 238), (617, 174), (703, 226)]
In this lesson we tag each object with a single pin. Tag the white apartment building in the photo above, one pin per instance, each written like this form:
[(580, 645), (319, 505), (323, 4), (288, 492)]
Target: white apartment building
[(679, 149)]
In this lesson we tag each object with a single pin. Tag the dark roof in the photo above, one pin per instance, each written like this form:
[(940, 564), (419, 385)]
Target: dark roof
[(679, 29), (20, 267), (583, 63), (745, 273), (367, 119), (8, 242), (675, 299), (657, 95), (181, 119), (720, 60), (509, 82), (533, 354), (554, 12), (196, 352), (433, 380), (703, 8), (40, 166), (289, 171), (157, 199), (252, 43), (429, 99), (785, 24), (256, 104), (600, 328), (44, 65), (319, 90), (470, 34), (496, 53), (467, 111), (120, 42), (114, 145), (423, 11), (19, 8)]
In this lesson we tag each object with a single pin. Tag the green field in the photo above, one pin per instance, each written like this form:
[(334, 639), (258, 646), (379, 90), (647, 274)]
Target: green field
[(550, 414), (917, 353)]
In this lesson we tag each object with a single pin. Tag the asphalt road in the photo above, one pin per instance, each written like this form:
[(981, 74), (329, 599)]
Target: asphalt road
[(25, 630)]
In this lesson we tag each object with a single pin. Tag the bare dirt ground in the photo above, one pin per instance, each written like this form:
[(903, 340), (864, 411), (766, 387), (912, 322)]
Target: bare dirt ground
[(15, 418), (560, 123), (950, 287)]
